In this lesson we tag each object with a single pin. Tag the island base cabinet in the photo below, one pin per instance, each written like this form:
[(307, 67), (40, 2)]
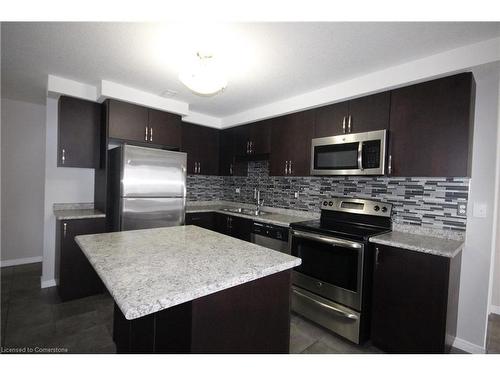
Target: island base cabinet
[(415, 301), (250, 318)]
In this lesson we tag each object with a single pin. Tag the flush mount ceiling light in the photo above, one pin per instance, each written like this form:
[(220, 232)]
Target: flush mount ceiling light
[(204, 75)]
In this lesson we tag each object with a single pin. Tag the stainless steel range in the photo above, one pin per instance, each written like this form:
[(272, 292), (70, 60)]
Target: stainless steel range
[(332, 285)]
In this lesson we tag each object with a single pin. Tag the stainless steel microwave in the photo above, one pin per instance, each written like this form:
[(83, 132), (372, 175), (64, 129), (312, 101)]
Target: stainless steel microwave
[(349, 154)]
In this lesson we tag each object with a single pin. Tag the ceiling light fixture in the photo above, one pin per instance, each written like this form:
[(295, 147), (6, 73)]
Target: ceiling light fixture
[(204, 75)]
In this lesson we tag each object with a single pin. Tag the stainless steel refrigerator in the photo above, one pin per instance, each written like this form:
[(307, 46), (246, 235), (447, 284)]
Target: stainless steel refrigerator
[(146, 188)]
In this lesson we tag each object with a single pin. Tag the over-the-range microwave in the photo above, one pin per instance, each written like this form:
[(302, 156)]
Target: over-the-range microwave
[(349, 154)]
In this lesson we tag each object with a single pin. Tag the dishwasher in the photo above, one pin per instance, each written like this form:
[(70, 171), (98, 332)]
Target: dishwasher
[(270, 236)]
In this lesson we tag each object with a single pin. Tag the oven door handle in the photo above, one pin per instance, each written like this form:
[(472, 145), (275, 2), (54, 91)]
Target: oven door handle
[(329, 240), (334, 309)]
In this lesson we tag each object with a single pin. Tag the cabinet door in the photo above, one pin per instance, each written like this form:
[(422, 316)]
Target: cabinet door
[(127, 121), (77, 278), (409, 301), (201, 219), (369, 113), (165, 129), (222, 224), (78, 133), (260, 136), (202, 146), (241, 228), (241, 140), (291, 142), (329, 120), (431, 128)]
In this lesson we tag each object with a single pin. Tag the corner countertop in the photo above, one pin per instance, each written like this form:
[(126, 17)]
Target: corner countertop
[(153, 269), (72, 211), (281, 217), (421, 243)]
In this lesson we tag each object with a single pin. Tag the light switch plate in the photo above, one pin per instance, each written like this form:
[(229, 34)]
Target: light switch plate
[(237, 190), (479, 210), (296, 194)]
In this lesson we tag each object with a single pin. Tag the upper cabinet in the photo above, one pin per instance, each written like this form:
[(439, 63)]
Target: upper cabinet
[(79, 124), (253, 139), (202, 147), (431, 128), (291, 137), (135, 123), (354, 116), (228, 165)]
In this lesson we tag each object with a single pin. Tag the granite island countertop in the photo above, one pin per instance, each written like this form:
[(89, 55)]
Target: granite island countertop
[(421, 243), (153, 269), (281, 217)]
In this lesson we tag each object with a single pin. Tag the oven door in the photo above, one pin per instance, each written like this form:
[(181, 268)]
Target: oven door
[(331, 267)]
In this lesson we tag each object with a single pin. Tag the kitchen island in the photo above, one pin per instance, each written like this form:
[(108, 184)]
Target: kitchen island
[(190, 290)]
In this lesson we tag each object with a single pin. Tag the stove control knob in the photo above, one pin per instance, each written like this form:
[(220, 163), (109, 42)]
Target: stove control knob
[(376, 208), (319, 284), (384, 209), (325, 203), (330, 203)]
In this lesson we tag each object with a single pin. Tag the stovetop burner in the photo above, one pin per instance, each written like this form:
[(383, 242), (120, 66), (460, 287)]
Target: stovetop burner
[(355, 219)]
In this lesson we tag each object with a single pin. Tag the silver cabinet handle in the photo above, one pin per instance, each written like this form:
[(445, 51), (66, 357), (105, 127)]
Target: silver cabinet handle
[(146, 133), (328, 240), (360, 155), (343, 125), (329, 307), (150, 134), (377, 251), (251, 147), (231, 169), (389, 168), (349, 124), (248, 147), (286, 167), (290, 167), (199, 167), (65, 227), (63, 157), (195, 167)]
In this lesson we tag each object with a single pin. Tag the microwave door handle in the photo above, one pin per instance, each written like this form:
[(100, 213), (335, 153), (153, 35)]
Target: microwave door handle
[(360, 156)]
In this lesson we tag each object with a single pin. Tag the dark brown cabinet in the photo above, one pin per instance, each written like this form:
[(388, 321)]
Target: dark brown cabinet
[(234, 226), (201, 219), (228, 164), (253, 139), (363, 114), (431, 128), (291, 137), (414, 301), (135, 123), (202, 147), (77, 278), (78, 135)]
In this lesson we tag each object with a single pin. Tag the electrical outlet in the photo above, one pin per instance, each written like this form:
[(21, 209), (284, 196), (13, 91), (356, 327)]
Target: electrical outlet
[(296, 194), (462, 209), (237, 190)]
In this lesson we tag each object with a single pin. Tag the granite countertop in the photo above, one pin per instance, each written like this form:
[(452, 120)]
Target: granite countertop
[(71, 211), (417, 242), (153, 269), (281, 218)]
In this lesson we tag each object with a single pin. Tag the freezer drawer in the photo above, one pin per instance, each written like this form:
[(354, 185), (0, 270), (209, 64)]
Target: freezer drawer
[(143, 213), (149, 172)]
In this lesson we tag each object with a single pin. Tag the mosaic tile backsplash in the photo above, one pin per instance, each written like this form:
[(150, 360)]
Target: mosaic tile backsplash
[(429, 202)]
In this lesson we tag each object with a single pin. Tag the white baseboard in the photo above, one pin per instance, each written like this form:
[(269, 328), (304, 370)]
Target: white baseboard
[(48, 283), (495, 309), (17, 262), (468, 347)]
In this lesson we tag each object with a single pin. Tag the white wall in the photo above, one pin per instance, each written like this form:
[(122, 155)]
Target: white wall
[(476, 257), (495, 277), (23, 154), (62, 185)]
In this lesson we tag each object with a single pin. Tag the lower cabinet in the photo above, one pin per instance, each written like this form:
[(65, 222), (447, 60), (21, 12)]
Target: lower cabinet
[(77, 278), (229, 225), (415, 301), (202, 219)]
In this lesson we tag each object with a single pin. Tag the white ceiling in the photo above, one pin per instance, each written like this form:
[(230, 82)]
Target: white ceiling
[(272, 61)]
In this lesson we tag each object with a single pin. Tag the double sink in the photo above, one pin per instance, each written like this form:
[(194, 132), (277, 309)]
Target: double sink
[(245, 211)]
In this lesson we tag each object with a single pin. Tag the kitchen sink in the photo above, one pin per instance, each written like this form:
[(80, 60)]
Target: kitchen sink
[(245, 211)]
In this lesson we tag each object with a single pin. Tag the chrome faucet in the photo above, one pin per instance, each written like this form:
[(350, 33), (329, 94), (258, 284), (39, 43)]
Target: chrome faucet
[(260, 203)]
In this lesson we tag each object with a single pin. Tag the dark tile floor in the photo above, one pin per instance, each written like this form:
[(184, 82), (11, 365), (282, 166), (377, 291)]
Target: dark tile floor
[(36, 318)]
